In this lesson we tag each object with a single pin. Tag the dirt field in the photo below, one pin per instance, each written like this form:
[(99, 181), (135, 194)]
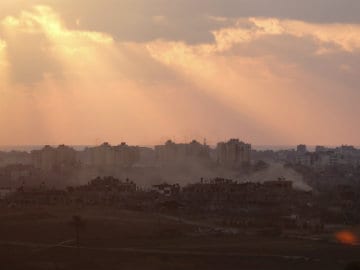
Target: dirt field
[(42, 238)]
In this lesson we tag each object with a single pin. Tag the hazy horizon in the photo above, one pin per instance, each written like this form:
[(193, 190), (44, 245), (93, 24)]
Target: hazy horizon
[(238, 76), (79, 147)]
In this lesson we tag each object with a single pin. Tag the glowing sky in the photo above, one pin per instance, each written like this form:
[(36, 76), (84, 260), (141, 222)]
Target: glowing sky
[(142, 71)]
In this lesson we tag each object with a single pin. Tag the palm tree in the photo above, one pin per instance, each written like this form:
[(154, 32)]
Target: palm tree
[(79, 224)]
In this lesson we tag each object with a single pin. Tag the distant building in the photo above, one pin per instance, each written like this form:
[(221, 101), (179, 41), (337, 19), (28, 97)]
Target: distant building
[(14, 157), (301, 149), (19, 175), (60, 159), (280, 183), (321, 149), (226, 194), (5, 192), (233, 154), (304, 158), (166, 189), (107, 184), (171, 153), (147, 157), (105, 156), (103, 190), (323, 157)]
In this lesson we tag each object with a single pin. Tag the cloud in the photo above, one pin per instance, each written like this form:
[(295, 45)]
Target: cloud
[(345, 36), (133, 20), (269, 80), (39, 43), (266, 80)]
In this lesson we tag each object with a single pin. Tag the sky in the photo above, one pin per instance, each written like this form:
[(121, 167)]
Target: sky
[(270, 72)]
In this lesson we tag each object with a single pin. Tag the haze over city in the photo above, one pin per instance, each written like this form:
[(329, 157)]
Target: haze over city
[(179, 134), (271, 72)]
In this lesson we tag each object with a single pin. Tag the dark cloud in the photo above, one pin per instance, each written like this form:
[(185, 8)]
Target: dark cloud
[(189, 20), (133, 20)]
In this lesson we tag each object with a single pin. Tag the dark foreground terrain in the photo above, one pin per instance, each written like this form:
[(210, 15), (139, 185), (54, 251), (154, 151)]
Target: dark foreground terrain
[(43, 238)]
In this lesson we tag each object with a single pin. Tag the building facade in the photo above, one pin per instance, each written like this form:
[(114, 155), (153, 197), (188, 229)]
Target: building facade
[(60, 159), (173, 153), (105, 156), (233, 154)]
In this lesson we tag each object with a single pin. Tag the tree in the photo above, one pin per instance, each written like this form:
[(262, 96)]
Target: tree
[(79, 224)]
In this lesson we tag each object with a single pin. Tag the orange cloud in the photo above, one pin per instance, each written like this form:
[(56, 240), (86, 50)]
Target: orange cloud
[(345, 36), (143, 90), (65, 44), (274, 94), (247, 85), (92, 95)]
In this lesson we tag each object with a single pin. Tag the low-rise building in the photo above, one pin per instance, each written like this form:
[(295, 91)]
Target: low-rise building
[(5, 192), (166, 189)]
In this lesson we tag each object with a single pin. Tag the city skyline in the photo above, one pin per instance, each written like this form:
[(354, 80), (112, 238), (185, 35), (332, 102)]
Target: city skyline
[(270, 72), (180, 134), (212, 145)]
